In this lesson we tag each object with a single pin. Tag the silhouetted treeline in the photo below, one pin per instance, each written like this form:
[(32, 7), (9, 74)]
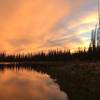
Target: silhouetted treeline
[(53, 55)]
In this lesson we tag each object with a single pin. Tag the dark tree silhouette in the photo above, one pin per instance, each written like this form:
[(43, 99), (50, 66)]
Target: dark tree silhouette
[(54, 55)]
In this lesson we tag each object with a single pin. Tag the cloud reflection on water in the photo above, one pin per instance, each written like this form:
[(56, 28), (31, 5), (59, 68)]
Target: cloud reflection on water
[(28, 85)]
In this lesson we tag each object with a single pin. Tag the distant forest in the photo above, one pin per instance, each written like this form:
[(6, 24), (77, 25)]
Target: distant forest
[(54, 55)]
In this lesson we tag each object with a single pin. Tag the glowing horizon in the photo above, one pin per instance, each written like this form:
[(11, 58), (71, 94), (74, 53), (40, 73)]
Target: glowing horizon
[(36, 25)]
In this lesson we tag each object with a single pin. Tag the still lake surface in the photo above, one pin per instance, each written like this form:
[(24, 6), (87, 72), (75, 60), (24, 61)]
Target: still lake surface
[(49, 81), (28, 84)]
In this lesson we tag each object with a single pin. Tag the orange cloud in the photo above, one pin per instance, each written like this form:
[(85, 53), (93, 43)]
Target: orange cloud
[(28, 25)]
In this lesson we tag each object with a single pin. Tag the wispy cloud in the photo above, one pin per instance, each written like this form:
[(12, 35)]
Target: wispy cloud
[(32, 25)]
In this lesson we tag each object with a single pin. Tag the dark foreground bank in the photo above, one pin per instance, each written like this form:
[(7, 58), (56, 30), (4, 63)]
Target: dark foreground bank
[(81, 81)]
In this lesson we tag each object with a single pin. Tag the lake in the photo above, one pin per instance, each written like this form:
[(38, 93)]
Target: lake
[(25, 84), (49, 81)]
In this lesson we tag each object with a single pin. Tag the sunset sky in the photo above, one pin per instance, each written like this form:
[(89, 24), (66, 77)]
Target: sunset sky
[(35, 25)]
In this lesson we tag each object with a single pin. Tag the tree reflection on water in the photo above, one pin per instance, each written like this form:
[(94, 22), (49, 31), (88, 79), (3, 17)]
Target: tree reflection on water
[(79, 85), (25, 83)]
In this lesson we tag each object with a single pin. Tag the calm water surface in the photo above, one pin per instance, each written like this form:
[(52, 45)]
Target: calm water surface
[(26, 84)]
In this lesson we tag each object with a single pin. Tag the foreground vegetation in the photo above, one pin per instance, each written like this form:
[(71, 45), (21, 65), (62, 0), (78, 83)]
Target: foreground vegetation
[(78, 73), (79, 81)]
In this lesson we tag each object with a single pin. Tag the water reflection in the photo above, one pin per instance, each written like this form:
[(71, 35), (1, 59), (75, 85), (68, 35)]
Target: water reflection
[(29, 81), (22, 84)]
